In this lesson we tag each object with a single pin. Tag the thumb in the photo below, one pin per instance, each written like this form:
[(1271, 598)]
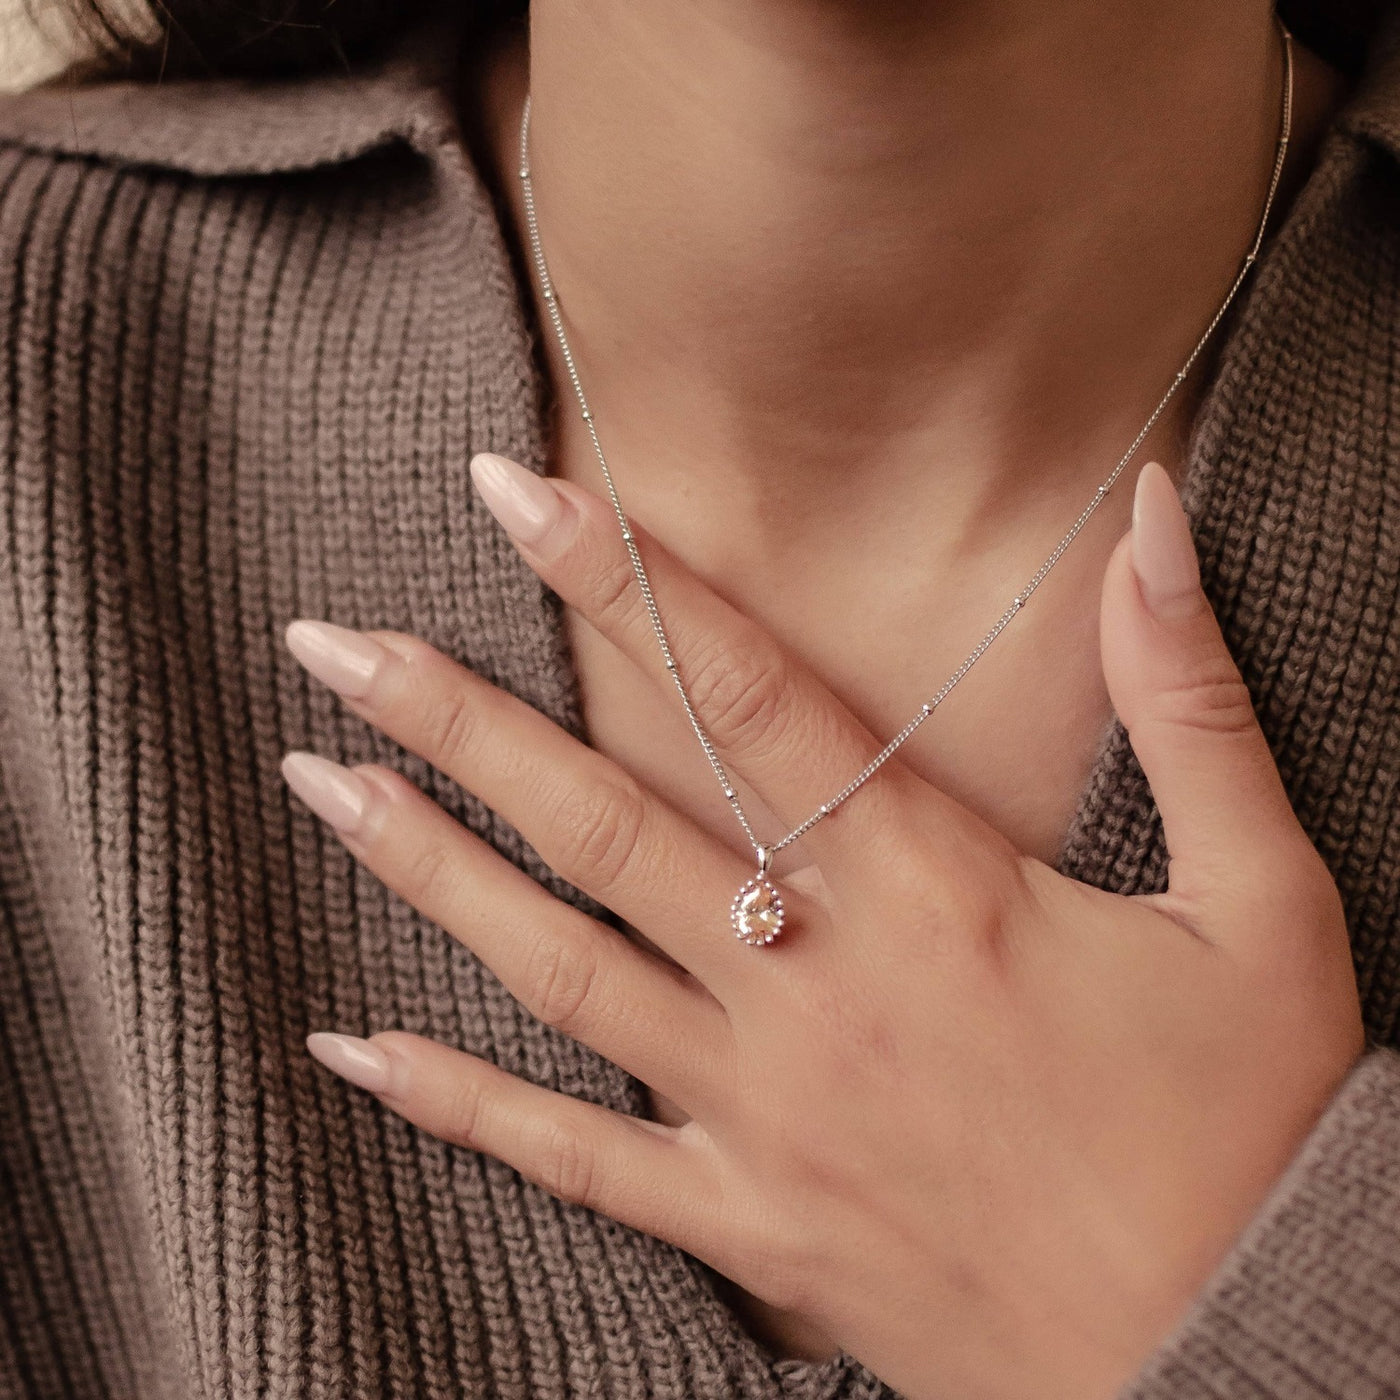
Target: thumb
[(1180, 696)]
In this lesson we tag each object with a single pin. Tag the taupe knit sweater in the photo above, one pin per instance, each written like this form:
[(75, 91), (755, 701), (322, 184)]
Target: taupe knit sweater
[(249, 336)]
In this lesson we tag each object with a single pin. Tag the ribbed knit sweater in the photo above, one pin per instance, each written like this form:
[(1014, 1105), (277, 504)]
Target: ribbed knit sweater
[(250, 334)]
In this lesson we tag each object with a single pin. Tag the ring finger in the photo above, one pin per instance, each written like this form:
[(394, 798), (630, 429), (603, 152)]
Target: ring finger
[(648, 1016)]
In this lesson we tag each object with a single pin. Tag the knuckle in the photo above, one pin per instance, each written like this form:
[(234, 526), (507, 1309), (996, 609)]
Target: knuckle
[(428, 876), (614, 599), (600, 832), (964, 904), (451, 726), (1217, 702), (567, 1164), (462, 1110), (975, 907), (560, 982), (1301, 886), (1308, 958), (738, 691)]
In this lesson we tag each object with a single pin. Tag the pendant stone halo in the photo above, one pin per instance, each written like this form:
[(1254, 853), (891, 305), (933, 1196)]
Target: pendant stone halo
[(757, 911)]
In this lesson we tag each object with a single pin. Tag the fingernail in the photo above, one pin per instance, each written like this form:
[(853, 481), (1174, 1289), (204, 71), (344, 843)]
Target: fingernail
[(333, 792), (1164, 554), (366, 1066), (344, 659), (526, 505)]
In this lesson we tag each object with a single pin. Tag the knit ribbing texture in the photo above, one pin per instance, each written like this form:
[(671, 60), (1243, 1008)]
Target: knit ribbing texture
[(250, 335)]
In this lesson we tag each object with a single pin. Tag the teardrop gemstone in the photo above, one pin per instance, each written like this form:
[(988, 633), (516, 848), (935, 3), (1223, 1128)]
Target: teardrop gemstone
[(757, 912)]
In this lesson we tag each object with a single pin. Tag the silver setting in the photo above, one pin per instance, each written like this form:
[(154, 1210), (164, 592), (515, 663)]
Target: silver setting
[(758, 931)]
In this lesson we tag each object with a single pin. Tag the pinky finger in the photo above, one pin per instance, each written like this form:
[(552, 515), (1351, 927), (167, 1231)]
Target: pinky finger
[(648, 1175)]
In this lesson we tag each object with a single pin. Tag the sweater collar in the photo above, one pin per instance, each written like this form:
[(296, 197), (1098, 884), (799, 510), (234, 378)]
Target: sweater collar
[(244, 126), (1373, 110), (252, 126)]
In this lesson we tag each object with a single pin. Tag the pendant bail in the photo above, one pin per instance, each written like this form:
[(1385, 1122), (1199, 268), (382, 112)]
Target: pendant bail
[(765, 859)]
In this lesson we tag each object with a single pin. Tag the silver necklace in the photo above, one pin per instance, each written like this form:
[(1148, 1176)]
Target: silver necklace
[(756, 914)]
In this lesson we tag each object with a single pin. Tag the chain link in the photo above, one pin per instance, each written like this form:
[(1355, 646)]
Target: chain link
[(765, 851)]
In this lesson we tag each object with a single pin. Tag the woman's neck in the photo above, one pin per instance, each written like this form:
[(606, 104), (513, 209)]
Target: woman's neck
[(830, 252)]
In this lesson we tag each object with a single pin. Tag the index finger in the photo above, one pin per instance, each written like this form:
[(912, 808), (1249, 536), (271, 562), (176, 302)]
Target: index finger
[(764, 711)]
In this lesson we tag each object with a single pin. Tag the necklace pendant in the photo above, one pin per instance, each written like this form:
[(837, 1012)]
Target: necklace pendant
[(757, 911)]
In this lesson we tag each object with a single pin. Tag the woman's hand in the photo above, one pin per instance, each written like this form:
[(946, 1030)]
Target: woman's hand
[(988, 1127)]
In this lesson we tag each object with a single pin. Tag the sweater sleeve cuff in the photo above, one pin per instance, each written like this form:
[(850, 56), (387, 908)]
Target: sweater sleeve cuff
[(1306, 1306)]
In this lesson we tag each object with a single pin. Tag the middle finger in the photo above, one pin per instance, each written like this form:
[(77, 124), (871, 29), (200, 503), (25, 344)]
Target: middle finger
[(590, 821)]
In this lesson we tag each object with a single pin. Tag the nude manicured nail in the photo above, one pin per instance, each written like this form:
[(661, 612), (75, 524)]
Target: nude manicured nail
[(526, 505), (335, 793), (342, 658), (365, 1065), (1164, 554)]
